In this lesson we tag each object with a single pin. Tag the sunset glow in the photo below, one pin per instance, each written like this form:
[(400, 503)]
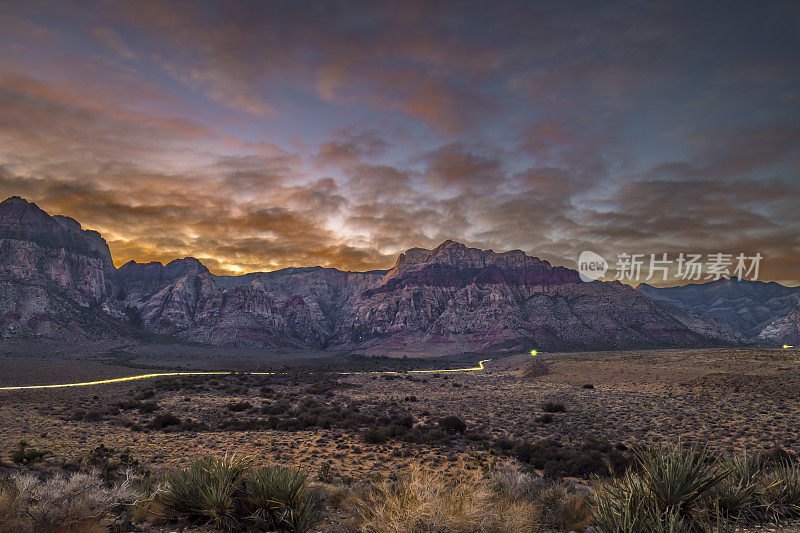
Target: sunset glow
[(256, 136)]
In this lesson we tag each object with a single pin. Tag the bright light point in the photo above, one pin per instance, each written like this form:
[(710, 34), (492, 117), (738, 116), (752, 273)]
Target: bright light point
[(787, 346), (534, 353)]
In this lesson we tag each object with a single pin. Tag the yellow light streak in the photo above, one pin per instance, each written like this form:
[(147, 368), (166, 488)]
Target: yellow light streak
[(787, 346), (227, 373)]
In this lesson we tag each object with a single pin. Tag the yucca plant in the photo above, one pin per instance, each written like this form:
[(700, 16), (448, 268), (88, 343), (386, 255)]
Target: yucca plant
[(782, 493), (280, 497), (681, 480), (738, 495), (205, 491), (624, 506)]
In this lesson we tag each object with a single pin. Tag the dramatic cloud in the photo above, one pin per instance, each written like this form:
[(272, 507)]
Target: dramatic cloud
[(256, 135)]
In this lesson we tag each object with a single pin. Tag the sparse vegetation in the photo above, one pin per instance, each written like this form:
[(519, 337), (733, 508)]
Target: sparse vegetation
[(422, 500), (452, 424), (24, 454), (227, 494), (75, 503), (685, 490), (553, 407), (671, 488)]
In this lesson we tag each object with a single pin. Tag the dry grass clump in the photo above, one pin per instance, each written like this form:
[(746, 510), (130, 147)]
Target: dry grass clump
[(505, 500), (560, 505), (78, 503)]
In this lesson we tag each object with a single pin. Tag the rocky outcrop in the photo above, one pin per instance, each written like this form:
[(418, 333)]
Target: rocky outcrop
[(58, 280), (784, 330)]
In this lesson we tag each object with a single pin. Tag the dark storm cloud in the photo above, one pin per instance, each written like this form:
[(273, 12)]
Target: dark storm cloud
[(260, 135)]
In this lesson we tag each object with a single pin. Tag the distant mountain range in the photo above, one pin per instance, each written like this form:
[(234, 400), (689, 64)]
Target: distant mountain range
[(58, 281), (765, 313)]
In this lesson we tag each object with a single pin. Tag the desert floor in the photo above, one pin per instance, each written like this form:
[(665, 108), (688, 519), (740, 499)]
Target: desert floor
[(726, 399)]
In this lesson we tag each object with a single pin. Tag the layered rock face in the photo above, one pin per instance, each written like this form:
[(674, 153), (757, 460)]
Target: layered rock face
[(450, 299), (56, 279), (456, 298), (747, 306)]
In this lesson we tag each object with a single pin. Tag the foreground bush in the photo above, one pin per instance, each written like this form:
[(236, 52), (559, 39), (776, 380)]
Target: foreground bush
[(279, 498), (684, 490), (80, 502), (505, 500), (226, 494), (206, 491)]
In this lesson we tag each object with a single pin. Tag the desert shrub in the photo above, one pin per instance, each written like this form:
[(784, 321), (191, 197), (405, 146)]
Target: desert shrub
[(588, 386), (25, 454), (560, 506), (536, 369), (164, 421), (127, 405), (776, 456), (546, 418), (553, 407), (93, 415), (593, 457), (376, 435), (147, 408), (79, 502), (423, 500), (452, 424), (12, 507), (205, 491), (434, 437), (109, 465), (238, 407), (280, 498)]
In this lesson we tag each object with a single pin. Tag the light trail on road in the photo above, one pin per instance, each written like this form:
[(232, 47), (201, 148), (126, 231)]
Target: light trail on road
[(229, 373)]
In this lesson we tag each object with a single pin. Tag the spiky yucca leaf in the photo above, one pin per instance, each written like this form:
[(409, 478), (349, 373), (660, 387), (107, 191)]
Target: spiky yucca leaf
[(679, 478), (205, 491), (279, 497), (782, 493), (737, 497)]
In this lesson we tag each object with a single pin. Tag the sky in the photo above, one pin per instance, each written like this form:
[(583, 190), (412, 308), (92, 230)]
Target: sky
[(261, 135)]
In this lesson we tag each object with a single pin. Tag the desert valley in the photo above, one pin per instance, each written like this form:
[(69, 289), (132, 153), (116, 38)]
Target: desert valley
[(356, 266), (457, 361)]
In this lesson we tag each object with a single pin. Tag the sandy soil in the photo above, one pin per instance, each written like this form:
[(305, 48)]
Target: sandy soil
[(727, 399)]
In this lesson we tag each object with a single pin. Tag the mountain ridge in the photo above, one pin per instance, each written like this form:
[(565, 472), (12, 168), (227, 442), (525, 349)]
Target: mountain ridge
[(750, 306), (452, 298)]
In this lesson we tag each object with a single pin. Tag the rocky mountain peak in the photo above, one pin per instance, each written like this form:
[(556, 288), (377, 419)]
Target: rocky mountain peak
[(149, 276), (455, 264), (14, 200), (21, 220), (187, 265)]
